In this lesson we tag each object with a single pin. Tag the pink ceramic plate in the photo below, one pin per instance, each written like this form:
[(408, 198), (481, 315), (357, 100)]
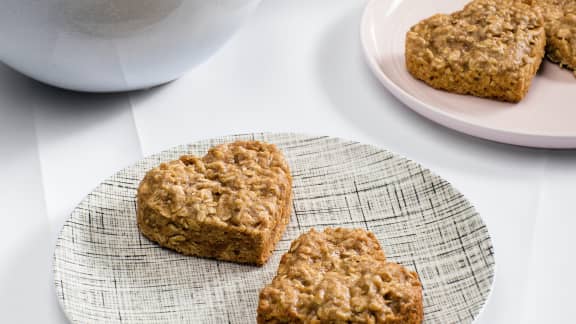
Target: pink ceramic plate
[(545, 118)]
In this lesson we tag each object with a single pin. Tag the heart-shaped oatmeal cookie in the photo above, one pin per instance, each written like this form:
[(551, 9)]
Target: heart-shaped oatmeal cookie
[(340, 276), (491, 48), (232, 204), (560, 23)]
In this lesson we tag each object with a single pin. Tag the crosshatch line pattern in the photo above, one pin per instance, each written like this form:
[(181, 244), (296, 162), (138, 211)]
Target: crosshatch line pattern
[(106, 272)]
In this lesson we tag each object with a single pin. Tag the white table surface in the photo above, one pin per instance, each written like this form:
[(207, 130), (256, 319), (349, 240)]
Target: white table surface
[(295, 66)]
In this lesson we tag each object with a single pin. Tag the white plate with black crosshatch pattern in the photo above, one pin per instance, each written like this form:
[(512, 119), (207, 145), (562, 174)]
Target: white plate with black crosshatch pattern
[(106, 272)]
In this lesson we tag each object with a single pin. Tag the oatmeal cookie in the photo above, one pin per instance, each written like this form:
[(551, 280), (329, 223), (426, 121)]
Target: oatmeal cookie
[(340, 276), (232, 204), (560, 23), (491, 48)]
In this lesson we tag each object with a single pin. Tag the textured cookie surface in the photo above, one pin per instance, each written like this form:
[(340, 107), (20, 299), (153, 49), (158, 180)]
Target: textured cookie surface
[(560, 23), (340, 276), (491, 48), (232, 204)]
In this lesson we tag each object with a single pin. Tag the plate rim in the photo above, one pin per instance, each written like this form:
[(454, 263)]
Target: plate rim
[(54, 269), (506, 136)]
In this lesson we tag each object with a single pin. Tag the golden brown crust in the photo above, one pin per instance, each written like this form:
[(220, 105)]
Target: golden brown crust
[(232, 204), (340, 276), (491, 48)]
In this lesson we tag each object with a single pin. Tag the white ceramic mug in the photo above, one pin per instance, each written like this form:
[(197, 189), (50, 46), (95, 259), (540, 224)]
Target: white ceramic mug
[(114, 45)]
